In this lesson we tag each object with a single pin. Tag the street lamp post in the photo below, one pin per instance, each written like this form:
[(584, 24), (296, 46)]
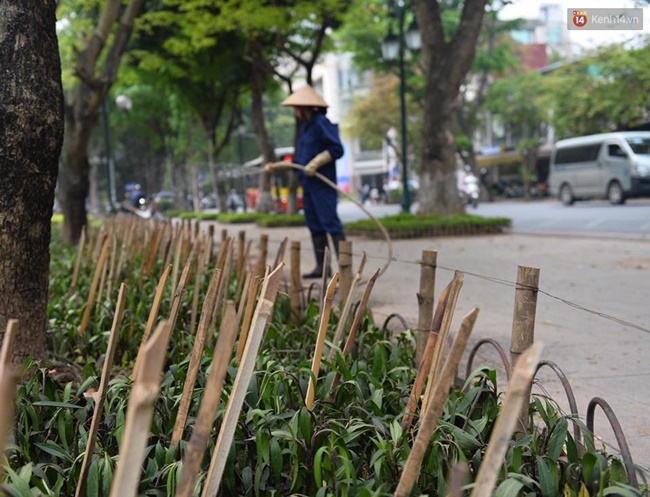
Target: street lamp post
[(241, 130), (123, 103), (394, 47)]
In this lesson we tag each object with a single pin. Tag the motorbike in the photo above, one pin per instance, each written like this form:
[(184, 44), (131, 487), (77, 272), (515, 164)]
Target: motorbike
[(470, 191)]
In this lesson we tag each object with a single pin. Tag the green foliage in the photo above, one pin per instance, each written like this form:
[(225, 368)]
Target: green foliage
[(412, 226), (279, 220), (607, 90), (350, 444)]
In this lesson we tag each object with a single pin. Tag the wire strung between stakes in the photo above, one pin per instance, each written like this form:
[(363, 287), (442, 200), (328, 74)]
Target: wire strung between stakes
[(390, 258)]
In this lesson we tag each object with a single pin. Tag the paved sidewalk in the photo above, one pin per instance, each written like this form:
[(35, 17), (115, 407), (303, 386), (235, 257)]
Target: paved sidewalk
[(601, 357)]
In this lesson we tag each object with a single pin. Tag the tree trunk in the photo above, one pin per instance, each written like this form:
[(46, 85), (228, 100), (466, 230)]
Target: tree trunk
[(446, 64), (82, 112), (438, 192), (259, 75), (31, 136)]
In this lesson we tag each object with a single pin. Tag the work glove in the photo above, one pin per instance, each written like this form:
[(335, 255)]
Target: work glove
[(317, 162), (274, 167)]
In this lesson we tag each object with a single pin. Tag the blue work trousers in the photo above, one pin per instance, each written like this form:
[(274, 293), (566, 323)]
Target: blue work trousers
[(320, 211)]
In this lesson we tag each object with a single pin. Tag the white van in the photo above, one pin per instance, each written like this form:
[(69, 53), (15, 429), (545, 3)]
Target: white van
[(615, 166)]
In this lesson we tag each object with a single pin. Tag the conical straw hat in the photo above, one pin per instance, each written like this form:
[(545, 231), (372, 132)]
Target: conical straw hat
[(305, 97)]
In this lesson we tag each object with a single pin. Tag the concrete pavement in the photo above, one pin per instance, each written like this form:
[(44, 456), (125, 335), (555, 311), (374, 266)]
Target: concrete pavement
[(593, 296)]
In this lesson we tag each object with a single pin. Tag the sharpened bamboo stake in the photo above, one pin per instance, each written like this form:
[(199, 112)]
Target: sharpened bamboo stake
[(126, 245), (178, 297), (198, 279), (244, 374), (248, 315), (345, 269), (320, 340), (207, 411), (279, 257), (77, 264), (338, 334), (225, 265), (427, 357), (153, 314), (523, 321), (425, 301), (456, 479), (8, 344), (93, 287), (260, 264), (358, 316), (138, 415), (102, 281), (177, 259), (113, 263), (195, 359), (240, 297), (100, 395), (153, 251), (441, 341), (517, 397), (8, 380), (431, 416), (295, 281), (323, 278), (241, 245)]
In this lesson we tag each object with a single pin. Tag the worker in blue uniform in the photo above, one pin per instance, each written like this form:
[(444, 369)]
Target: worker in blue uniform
[(318, 148)]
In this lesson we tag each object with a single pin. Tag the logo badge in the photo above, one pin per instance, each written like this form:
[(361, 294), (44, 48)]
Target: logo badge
[(579, 18)]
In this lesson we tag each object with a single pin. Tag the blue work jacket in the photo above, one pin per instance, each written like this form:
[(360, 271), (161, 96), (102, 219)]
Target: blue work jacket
[(317, 135)]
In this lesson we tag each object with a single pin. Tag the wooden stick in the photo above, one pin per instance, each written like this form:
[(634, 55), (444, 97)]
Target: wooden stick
[(113, 263), (177, 260), (139, 414), (323, 279), (178, 297), (77, 264), (207, 411), (8, 343), (241, 244), (93, 287), (224, 264), (441, 341), (244, 374), (126, 245), (338, 334), (456, 479), (198, 279), (195, 359), (431, 416), (279, 257), (345, 268), (100, 395), (153, 314), (102, 280), (427, 357), (295, 280), (241, 296), (517, 396), (248, 315), (320, 340), (425, 301), (260, 264), (358, 316), (523, 321), (8, 380)]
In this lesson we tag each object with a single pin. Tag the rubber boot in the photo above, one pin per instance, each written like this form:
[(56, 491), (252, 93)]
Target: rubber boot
[(335, 240), (320, 242)]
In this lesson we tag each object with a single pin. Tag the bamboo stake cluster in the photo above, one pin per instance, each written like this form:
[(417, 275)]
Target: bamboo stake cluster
[(256, 292)]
